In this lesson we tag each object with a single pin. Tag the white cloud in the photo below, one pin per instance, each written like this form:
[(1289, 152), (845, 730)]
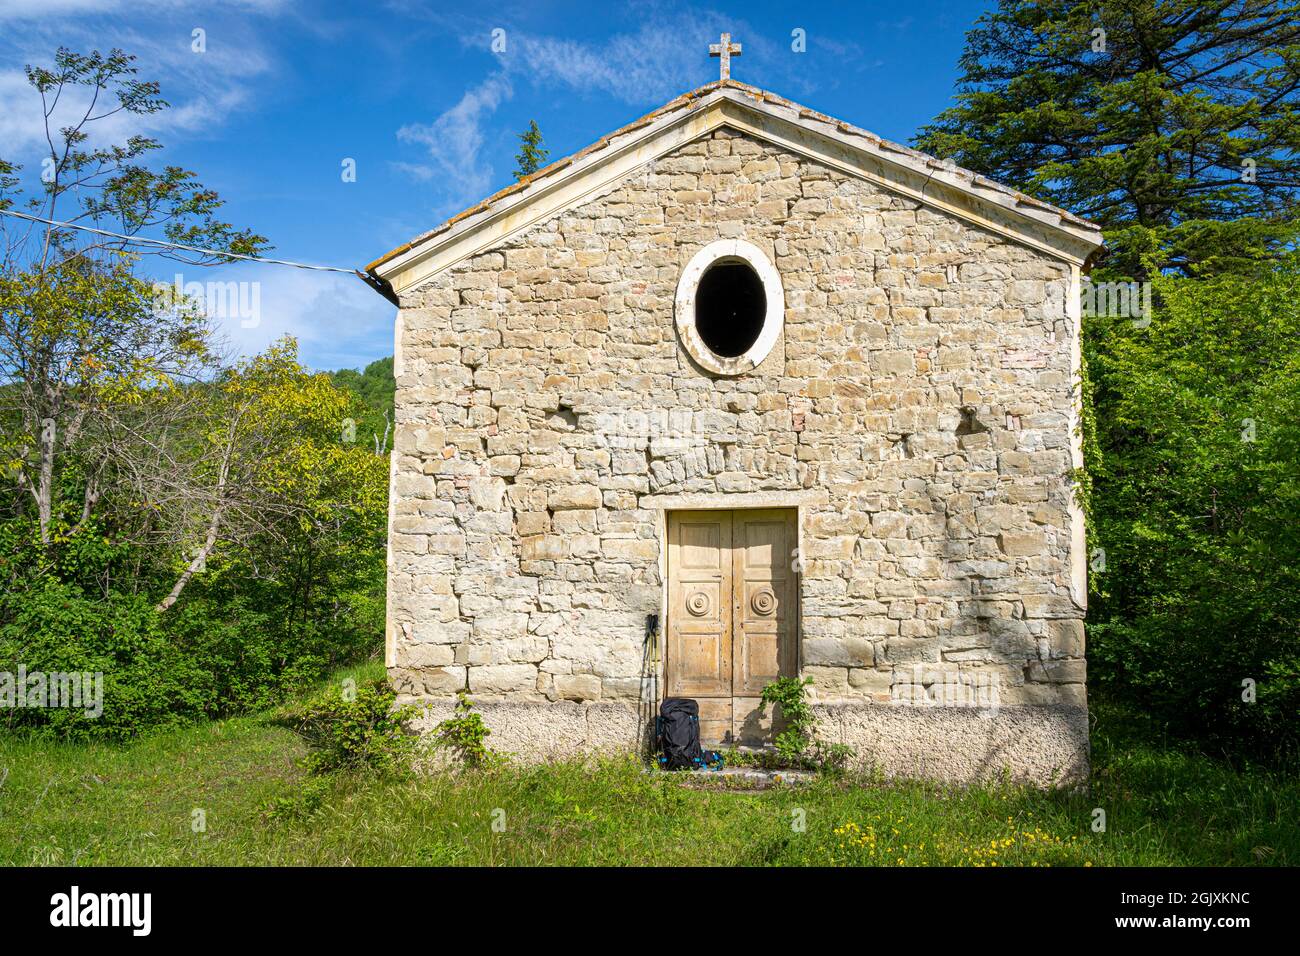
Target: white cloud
[(20, 114), (651, 63), (22, 121), (418, 171), (203, 89), (338, 320), (454, 142), (54, 9), (43, 9), (657, 62), (666, 56)]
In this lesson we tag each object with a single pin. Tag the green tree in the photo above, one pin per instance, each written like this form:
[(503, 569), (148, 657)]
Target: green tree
[(375, 386), (197, 531), (110, 186), (243, 556), (532, 155), (267, 463), (1195, 459), (1173, 124), (80, 345), (80, 331)]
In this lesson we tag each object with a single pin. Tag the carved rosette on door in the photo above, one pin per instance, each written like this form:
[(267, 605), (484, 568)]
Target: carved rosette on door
[(732, 615)]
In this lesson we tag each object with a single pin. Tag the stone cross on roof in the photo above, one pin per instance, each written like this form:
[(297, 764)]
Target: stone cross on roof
[(726, 49)]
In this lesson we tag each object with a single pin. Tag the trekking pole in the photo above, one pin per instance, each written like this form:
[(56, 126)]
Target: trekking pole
[(652, 651), (641, 711)]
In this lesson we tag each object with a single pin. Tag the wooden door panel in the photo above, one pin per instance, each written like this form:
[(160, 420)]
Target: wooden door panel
[(700, 541), (751, 723), (715, 720), (764, 542), (699, 604), (764, 602), (732, 616), (759, 660)]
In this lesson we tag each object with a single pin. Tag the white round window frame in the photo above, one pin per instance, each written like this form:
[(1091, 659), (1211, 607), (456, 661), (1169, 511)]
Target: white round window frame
[(716, 253)]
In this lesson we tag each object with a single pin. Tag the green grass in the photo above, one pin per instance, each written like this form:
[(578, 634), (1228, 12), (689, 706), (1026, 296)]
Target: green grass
[(96, 804)]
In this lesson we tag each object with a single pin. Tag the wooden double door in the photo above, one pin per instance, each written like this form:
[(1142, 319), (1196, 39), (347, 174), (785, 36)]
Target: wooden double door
[(733, 615)]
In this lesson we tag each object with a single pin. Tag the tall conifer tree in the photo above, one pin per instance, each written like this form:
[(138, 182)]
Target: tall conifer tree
[(532, 155), (1174, 124)]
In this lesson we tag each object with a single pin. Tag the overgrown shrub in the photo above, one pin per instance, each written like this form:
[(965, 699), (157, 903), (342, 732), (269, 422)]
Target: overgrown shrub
[(352, 728), (147, 679), (465, 735), (209, 656), (797, 742)]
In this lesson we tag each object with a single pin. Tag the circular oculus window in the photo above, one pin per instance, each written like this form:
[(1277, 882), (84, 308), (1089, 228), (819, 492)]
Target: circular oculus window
[(730, 307)]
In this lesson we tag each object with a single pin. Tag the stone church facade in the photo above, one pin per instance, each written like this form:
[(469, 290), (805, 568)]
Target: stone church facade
[(741, 392)]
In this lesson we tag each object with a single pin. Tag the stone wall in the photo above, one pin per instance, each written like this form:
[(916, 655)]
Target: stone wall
[(920, 400)]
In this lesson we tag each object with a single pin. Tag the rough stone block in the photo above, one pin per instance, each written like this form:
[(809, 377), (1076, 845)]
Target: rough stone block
[(573, 497), (497, 679), (577, 686)]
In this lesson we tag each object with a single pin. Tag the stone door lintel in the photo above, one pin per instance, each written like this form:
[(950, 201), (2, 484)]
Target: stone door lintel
[(704, 501)]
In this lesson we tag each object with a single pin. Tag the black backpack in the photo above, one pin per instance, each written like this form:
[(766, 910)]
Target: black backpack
[(677, 737)]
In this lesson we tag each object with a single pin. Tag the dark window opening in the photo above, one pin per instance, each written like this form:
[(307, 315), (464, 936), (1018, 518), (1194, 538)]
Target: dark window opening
[(730, 306)]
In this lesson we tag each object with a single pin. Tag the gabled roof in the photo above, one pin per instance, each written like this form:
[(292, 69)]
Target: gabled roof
[(765, 116)]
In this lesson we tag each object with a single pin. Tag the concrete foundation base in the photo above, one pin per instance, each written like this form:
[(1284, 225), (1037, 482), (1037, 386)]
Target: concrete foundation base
[(1045, 746), (534, 732)]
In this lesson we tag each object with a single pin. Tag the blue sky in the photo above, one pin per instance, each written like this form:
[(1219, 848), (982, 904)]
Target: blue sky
[(412, 92)]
